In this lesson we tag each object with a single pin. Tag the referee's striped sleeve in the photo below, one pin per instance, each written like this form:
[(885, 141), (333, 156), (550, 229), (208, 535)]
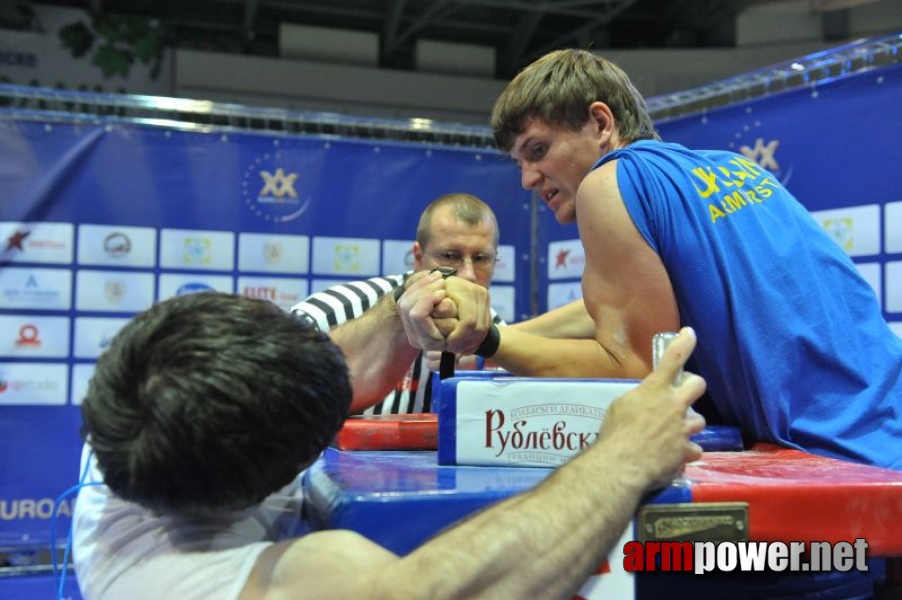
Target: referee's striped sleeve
[(345, 301)]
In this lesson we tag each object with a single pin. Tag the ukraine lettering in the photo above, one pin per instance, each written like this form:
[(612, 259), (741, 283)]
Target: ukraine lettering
[(739, 199), (519, 437)]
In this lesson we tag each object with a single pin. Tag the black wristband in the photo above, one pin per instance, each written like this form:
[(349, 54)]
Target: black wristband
[(489, 345)]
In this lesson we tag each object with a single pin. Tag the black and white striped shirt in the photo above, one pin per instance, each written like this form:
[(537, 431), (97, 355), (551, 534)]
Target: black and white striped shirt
[(343, 302)]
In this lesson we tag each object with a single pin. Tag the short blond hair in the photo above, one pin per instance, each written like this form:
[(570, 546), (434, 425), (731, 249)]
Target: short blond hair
[(467, 208)]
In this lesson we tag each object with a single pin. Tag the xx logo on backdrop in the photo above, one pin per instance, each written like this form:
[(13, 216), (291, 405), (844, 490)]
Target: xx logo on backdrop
[(753, 141), (270, 189)]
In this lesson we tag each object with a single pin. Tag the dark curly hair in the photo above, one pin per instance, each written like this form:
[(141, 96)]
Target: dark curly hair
[(209, 402)]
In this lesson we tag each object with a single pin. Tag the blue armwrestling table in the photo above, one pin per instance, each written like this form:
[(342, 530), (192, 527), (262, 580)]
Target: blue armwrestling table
[(400, 499)]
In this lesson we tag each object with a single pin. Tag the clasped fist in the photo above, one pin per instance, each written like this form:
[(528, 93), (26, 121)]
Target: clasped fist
[(446, 315)]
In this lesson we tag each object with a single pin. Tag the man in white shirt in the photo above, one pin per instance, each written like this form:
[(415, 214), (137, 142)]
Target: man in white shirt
[(206, 407)]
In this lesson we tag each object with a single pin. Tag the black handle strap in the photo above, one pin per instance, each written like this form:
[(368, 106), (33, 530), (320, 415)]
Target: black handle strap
[(446, 365)]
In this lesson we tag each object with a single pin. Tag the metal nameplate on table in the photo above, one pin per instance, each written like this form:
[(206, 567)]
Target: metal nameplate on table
[(693, 522)]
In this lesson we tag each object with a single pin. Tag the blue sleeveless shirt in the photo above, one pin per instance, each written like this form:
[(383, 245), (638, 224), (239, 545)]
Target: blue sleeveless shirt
[(791, 339)]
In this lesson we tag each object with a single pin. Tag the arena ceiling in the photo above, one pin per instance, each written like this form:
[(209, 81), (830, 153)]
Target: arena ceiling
[(519, 30)]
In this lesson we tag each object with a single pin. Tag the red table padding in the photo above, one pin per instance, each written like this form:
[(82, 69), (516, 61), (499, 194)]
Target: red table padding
[(795, 496), (389, 432)]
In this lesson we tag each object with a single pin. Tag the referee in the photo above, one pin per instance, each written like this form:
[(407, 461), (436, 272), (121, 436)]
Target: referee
[(389, 375)]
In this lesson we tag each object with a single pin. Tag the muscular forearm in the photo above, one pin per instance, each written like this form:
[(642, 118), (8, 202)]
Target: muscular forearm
[(536, 545), (543, 543), (571, 321), (377, 352), (535, 356)]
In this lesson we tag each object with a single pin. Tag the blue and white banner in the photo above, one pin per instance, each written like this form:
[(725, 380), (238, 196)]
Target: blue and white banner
[(99, 221)]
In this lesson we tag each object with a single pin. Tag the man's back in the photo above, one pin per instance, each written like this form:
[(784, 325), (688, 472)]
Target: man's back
[(791, 338), (122, 550)]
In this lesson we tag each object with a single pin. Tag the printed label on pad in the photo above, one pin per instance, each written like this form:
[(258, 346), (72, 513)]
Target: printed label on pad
[(539, 423)]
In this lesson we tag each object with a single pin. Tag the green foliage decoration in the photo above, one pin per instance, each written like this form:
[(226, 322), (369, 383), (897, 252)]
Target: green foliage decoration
[(115, 43)]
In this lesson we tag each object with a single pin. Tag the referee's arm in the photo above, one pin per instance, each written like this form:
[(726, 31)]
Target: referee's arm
[(377, 352), (361, 318)]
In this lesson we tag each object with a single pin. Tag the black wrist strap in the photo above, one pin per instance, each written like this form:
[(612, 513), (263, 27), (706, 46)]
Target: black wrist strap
[(489, 345), (446, 364)]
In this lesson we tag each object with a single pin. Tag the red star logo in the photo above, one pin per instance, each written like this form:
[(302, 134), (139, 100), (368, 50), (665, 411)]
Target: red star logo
[(16, 239), (561, 260)]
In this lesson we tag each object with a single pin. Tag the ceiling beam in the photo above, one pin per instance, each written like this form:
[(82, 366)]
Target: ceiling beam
[(391, 26), (250, 19), (435, 10), (543, 7), (581, 31), (523, 34)]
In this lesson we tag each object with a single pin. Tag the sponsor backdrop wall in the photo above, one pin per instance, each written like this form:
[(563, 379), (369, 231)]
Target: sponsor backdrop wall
[(98, 221), (836, 147)]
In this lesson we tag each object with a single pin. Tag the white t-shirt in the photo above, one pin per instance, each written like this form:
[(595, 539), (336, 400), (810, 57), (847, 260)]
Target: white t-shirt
[(121, 550)]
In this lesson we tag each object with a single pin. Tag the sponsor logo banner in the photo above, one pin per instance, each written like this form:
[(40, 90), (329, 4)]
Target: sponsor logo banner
[(346, 256), (35, 289), (172, 285), (197, 250), (33, 384), (566, 259), (527, 422), (856, 228), (94, 334), (113, 291), (36, 242), (269, 253), (23, 336), (117, 246), (283, 292)]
